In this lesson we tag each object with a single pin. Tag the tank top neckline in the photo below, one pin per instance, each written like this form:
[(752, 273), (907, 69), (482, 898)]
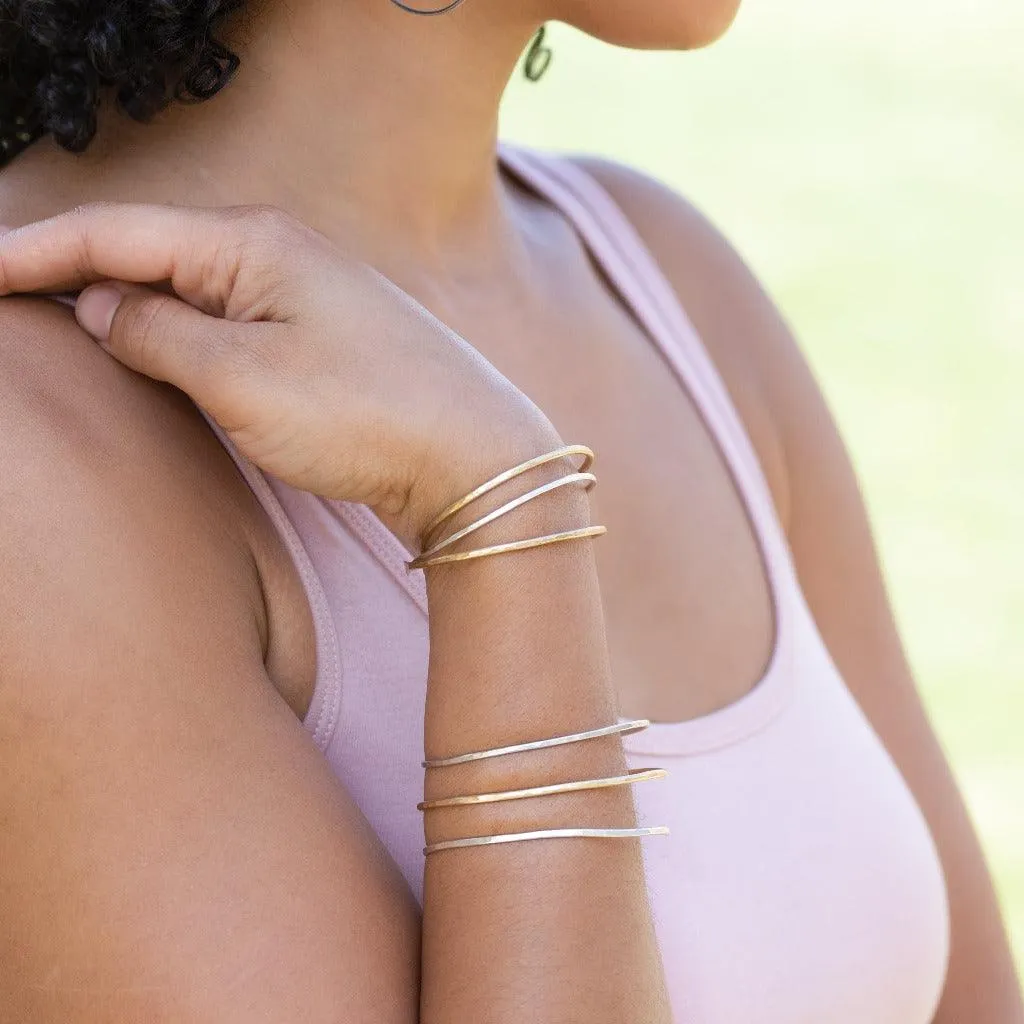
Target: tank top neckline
[(640, 284)]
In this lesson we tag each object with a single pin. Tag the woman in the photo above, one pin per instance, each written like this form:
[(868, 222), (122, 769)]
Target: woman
[(216, 689)]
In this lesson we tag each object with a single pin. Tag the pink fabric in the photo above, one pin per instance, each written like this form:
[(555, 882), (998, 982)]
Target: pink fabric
[(800, 882)]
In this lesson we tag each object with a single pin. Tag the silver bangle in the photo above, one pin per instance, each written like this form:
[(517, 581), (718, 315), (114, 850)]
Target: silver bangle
[(547, 833), (555, 741), (633, 775)]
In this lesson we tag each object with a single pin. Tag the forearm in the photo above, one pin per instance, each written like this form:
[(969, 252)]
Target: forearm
[(549, 930)]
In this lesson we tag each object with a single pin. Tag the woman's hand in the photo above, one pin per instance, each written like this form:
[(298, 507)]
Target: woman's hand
[(321, 371)]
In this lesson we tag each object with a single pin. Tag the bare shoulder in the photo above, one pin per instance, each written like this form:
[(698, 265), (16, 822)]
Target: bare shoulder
[(94, 455), (151, 779), (746, 336)]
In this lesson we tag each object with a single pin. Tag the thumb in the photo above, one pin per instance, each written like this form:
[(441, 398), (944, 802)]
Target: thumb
[(161, 336)]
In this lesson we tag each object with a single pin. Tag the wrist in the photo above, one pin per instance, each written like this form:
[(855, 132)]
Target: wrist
[(482, 461)]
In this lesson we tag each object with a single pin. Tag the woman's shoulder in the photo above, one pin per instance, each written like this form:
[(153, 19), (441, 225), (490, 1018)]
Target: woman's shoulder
[(113, 489), (104, 465), (151, 779), (64, 397)]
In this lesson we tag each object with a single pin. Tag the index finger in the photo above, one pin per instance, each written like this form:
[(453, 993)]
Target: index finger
[(135, 242)]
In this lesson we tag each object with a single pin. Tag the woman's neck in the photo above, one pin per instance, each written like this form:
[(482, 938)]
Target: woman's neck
[(375, 126)]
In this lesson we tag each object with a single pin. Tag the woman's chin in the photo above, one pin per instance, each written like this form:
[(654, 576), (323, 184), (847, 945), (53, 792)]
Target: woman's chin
[(657, 24)]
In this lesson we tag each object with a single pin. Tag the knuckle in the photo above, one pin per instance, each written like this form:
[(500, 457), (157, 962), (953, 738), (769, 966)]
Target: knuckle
[(82, 220), (259, 260), (264, 222)]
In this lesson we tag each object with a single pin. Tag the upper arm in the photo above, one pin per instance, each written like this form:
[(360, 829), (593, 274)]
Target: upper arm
[(173, 845), (821, 508)]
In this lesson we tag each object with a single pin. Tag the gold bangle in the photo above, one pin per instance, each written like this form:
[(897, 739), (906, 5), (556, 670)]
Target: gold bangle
[(619, 728), (514, 545), (634, 775), (508, 474), (547, 833), (562, 481)]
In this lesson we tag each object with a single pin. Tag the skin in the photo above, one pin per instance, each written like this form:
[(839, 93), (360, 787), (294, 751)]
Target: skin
[(304, 357), (422, 203)]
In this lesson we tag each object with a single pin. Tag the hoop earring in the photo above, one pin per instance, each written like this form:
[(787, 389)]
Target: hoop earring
[(429, 11), (538, 56)]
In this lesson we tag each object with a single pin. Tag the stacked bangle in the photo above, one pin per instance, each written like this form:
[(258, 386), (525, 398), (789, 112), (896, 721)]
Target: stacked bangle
[(619, 728), (634, 775), (551, 789), (572, 478), (509, 474), (513, 545), (430, 553), (436, 554), (546, 833)]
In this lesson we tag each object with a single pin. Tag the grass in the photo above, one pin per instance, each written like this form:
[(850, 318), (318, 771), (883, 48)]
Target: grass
[(868, 161)]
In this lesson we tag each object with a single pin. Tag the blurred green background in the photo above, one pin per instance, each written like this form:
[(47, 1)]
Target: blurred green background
[(868, 161)]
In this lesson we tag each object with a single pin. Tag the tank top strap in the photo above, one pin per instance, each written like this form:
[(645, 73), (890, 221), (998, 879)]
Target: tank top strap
[(322, 714), (638, 278)]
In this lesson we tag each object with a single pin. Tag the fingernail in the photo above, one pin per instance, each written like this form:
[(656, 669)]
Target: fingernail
[(96, 307)]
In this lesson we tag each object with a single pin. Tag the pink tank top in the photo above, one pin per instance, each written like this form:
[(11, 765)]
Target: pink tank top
[(800, 882)]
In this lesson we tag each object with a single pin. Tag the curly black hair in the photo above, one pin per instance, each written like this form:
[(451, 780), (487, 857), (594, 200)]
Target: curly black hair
[(59, 57)]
